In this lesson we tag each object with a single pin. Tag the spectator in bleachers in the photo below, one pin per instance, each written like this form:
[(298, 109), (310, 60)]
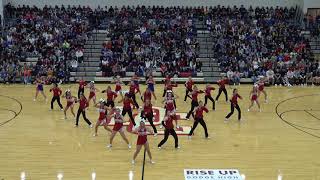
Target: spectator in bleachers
[(79, 55)]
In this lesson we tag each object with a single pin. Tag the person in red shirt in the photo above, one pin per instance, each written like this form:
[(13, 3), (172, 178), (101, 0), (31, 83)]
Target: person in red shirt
[(234, 104), (133, 90), (147, 113), (118, 127), (198, 118), (147, 95), (142, 140), (93, 91), (188, 84), (70, 103), (56, 95), (254, 97), (111, 96), (83, 104), (118, 82), (102, 120), (127, 102), (261, 89), (194, 103), (165, 82), (169, 90), (207, 96), (222, 88), (170, 106), (82, 84), (169, 129)]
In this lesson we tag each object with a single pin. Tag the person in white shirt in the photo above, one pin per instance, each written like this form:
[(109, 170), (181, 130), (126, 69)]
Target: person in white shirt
[(74, 65), (79, 55), (230, 74), (270, 76), (289, 78)]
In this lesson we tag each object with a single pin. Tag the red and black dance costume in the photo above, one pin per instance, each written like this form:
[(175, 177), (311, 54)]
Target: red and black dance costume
[(147, 113), (207, 96), (261, 86), (133, 89), (110, 98), (56, 96), (118, 123), (147, 96), (188, 86), (222, 88), (254, 95), (166, 82), (82, 84), (127, 109), (142, 136), (199, 119), (70, 100), (169, 87), (102, 120), (83, 104), (194, 102), (234, 104), (169, 129)]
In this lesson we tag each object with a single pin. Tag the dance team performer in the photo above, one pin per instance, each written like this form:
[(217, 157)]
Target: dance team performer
[(169, 106), (83, 105), (56, 91), (102, 120), (147, 95), (136, 80), (165, 82), (150, 84), (118, 127), (169, 129), (222, 88), (254, 97), (82, 85), (207, 96), (118, 83), (142, 140), (262, 90), (93, 91), (188, 84), (194, 103), (127, 102), (133, 90), (39, 88), (70, 103), (234, 104), (111, 96), (198, 118), (147, 113), (169, 88)]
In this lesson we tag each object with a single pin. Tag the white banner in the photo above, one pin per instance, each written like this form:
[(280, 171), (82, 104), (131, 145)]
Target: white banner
[(212, 174)]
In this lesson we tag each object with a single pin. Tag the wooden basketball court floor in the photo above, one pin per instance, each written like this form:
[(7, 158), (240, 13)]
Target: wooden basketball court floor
[(283, 138)]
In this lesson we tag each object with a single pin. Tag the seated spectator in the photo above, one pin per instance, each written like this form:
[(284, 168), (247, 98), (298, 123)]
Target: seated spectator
[(270, 76), (230, 75), (290, 77), (74, 65), (79, 55), (236, 78)]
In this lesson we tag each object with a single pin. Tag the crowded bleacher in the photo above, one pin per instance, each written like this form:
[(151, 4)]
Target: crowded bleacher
[(260, 42), (248, 43), (143, 39)]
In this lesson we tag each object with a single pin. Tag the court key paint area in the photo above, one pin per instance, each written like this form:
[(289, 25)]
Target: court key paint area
[(283, 138)]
